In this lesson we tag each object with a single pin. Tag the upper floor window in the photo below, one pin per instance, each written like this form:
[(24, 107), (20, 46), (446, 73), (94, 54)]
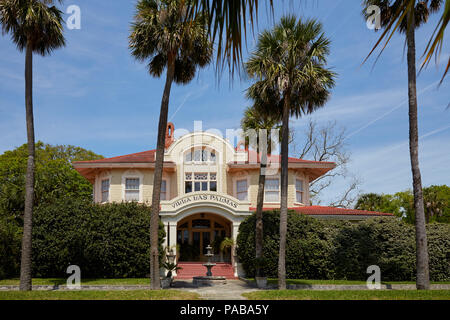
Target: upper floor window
[(242, 190), (198, 182), (164, 190), (272, 190), (201, 155), (132, 189), (299, 190), (105, 190)]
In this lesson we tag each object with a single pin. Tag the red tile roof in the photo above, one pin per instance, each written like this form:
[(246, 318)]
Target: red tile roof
[(141, 157), (331, 211), (149, 157)]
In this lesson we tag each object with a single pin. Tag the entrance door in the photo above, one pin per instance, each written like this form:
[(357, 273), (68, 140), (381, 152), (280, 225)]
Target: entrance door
[(201, 240), (206, 241), (196, 233)]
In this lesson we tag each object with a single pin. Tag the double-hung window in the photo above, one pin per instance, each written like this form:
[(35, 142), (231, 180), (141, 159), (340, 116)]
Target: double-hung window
[(272, 190), (105, 190), (163, 190), (132, 189), (299, 191), (242, 190)]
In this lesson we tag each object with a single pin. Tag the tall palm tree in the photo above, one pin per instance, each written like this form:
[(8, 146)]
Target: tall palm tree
[(290, 61), (162, 34), (35, 27), (260, 122), (407, 16)]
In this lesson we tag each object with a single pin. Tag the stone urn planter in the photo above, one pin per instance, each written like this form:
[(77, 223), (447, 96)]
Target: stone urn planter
[(261, 282), (166, 282)]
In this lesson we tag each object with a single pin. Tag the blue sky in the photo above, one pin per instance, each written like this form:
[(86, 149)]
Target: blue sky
[(93, 94)]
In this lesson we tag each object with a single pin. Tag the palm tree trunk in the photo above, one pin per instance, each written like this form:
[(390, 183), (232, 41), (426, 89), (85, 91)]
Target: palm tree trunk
[(423, 275), (25, 265), (155, 283), (284, 194), (259, 232)]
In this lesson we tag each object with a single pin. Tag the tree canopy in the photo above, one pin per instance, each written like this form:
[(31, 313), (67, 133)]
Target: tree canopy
[(55, 176), (436, 203)]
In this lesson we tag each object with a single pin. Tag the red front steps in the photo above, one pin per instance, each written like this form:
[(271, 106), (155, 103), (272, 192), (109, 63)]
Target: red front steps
[(195, 269)]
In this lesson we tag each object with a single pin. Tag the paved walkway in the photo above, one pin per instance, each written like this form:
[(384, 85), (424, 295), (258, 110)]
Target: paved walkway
[(232, 290)]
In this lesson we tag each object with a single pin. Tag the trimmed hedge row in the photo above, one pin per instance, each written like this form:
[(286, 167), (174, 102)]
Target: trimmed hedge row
[(105, 241), (323, 249), (10, 242)]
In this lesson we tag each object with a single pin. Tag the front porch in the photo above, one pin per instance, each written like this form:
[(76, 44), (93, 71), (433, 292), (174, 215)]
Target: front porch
[(195, 221)]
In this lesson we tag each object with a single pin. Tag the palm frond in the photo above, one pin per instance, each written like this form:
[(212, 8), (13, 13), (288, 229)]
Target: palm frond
[(33, 23), (228, 25), (434, 46)]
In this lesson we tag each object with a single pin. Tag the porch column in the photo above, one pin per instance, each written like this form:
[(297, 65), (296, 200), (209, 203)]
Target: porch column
[(173, 236), (233, 250)]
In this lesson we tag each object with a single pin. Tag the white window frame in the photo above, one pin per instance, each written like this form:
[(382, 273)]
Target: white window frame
[(133, 174), (166, 193), (103, 192), (193, 181), (202, 149), (105, 175), (279, 190), (301, 192), (237, 189)]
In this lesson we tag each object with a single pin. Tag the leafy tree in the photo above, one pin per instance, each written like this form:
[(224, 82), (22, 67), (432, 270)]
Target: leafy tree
[(407, 16), (379, 203), (163, 33), (55, 177), (289, 62), (35, 27), (436, 203)]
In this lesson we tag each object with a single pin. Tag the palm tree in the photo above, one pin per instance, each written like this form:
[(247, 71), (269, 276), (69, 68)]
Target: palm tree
[(416, 14), (289, 62), (434, 46), (162, 34), (35, 27), (257, 120)]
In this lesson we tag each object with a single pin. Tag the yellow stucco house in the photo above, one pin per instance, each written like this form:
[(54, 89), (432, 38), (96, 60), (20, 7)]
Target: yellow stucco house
[(209, 187)]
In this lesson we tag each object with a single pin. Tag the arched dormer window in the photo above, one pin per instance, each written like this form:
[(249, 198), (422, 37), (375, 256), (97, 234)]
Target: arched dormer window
[(200, 172), (200, 155)]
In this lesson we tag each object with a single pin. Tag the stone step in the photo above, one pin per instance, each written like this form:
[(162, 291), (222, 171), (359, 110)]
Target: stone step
[(193, 269)]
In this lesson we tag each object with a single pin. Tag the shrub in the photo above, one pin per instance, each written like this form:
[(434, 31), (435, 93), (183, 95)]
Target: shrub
[(10, 243), (323, 249), (105, 241)]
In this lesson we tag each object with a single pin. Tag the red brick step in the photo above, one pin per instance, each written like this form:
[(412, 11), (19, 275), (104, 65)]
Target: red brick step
[(194, 269)]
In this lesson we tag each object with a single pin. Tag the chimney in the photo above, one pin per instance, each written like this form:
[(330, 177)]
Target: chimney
[(170, 134)]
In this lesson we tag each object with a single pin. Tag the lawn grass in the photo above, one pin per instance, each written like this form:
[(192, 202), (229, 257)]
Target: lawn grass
[(348, 295), (341, 282), (99, 295), (57, 281), (145, 282)]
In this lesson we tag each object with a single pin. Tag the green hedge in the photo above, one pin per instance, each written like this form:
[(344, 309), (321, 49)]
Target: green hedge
[(10, 242), (105, 241), (323, 249)]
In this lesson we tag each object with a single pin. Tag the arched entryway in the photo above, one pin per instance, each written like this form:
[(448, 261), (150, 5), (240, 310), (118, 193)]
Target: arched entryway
[(196, 232)]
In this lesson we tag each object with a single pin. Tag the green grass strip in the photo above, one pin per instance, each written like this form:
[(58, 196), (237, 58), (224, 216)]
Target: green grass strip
[(349, 295), (99, 295)]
